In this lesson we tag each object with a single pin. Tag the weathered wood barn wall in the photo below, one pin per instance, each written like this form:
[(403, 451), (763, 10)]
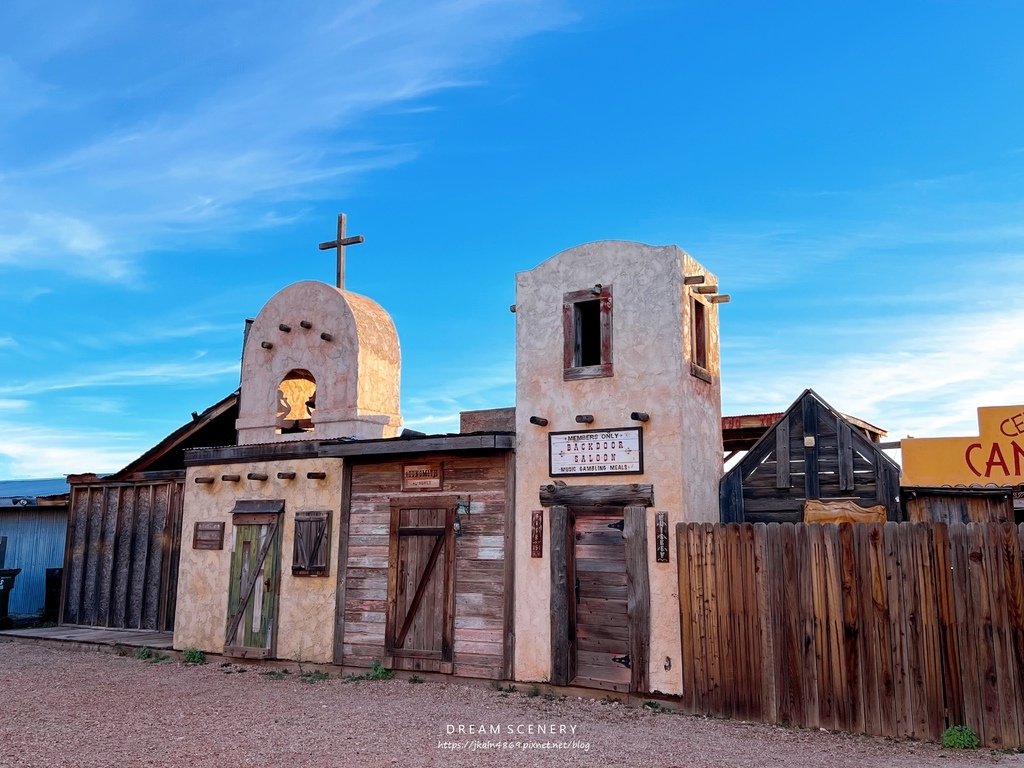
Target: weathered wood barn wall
[(124, 532), (462, 623), (812, 452), (957, 505), (122, 546)]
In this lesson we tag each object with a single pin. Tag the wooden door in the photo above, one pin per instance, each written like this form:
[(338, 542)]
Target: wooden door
[(599, 640), (421, 593), (253, 589)]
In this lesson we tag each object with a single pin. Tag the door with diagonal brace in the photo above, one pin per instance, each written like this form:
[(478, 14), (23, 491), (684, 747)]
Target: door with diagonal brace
[(421, 594), (252, 591)]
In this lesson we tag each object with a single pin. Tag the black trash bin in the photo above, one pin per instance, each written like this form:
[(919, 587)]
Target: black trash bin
[(54, 580), (7, 576)]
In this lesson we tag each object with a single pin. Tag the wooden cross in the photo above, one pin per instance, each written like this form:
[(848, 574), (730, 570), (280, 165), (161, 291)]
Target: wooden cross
[(340, 244)]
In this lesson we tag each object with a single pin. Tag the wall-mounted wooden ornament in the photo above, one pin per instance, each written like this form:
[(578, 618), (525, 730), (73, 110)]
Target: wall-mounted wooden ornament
[(537, 534), (661, 536), (208, 536)]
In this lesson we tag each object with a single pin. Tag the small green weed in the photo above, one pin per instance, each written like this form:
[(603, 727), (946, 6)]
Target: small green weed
[(533, 692), (502, 688), (657, 708), (377, 672), (959, 737), (416, 679), (274, 674), (156, 658), (194, 656), (313, 676), (550, 697), (143, 653)]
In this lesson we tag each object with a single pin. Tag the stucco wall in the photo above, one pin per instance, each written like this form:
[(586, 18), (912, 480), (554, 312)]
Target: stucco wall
[(682, 441), (357, 372), (306, 605)]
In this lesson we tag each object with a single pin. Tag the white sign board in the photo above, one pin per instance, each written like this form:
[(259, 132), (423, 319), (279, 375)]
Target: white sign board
[(596, 452)]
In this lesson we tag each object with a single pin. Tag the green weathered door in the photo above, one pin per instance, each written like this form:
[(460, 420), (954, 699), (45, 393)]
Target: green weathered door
[(252, 592)]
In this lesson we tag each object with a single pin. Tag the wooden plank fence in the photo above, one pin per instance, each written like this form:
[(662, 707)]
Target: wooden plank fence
[(899, 630)]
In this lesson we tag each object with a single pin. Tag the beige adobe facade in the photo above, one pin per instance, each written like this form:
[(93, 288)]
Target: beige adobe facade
[(305, 605), (651, 370)]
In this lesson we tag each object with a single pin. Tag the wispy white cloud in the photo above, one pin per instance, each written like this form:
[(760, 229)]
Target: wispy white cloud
[(120, 375), (920, 375), (34, 451), (278, 127), (7, 341), (436, 404)]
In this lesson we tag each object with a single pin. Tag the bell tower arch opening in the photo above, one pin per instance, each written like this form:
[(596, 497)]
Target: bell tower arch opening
[(296, 401)]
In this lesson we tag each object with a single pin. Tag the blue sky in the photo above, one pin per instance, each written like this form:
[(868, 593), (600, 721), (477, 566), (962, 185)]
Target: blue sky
[(852, 173)]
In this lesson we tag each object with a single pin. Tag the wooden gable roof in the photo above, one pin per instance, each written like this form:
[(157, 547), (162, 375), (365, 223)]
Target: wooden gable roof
[(214, 427), (812, 452)]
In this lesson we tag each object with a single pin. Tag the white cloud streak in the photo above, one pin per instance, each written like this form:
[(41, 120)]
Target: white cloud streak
[(270, 128)]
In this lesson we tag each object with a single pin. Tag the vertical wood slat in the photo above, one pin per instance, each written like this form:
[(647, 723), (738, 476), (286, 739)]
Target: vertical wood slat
[(812, 482), (638, 599), (846, 476), (509, 554), (783, 477), (688, 648), (340, 595), (1015, 615), (769, 706)]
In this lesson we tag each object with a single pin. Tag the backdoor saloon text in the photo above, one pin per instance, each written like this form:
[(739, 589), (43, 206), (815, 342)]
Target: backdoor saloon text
[(613, 451)]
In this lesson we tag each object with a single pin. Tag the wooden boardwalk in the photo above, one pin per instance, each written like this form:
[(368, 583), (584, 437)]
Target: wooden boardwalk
[(130, 638)]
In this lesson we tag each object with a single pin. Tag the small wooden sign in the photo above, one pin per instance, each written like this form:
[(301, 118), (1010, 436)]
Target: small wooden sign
[(661, 536), (422, 477), (208, 536), (537, 534)]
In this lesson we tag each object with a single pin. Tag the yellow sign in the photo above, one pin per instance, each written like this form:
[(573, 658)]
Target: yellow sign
[(995, 458)]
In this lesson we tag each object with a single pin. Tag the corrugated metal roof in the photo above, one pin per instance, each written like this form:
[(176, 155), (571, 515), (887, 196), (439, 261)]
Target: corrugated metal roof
[(31, 489)]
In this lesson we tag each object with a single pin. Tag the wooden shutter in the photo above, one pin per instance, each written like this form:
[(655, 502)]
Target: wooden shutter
[(310, 552)]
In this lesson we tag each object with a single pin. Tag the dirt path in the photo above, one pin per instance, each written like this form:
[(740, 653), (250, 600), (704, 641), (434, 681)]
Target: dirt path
[(73, 708)]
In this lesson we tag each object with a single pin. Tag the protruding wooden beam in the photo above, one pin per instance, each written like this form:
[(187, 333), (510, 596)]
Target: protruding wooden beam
[(326, 336), (231, 478), (257, 476), (204, 480), (706, 289), (306, 324), (285, 475), (723, 299), (693, 279), (316, 475), (639, 416), (512, 308), (267, 344), (540, 421), (584, 418), (284, 328)]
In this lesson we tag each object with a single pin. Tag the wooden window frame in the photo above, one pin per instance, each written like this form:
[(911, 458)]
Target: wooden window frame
[(306, 568), (699, 338), (570, 370)]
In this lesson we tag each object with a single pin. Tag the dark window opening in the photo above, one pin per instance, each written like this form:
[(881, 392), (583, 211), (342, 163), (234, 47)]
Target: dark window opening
[(588, 333), (700, 335)]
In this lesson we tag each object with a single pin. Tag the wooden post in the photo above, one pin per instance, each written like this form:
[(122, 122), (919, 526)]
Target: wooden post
[(559, 596), (344, 513), (638, 596)]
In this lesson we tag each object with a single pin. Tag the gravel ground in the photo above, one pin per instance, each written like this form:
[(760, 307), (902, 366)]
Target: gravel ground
[(62, 707)]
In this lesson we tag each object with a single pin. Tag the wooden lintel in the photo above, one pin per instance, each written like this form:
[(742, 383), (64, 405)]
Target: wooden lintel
[(627, 495)]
